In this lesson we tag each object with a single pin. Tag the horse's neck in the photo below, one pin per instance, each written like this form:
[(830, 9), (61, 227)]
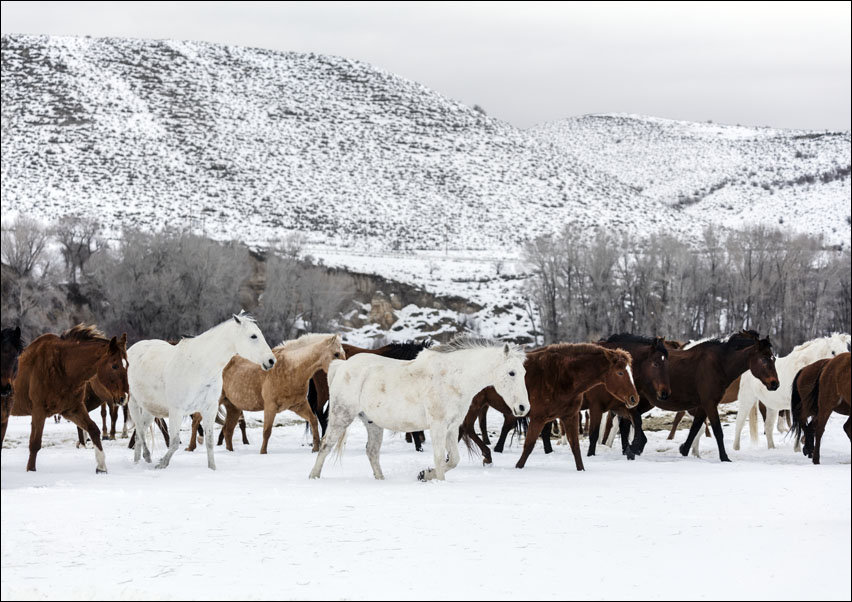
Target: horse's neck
[(476, 372), (734, 363), (304, 363), (76, 364), (583, 380), (209, 350)]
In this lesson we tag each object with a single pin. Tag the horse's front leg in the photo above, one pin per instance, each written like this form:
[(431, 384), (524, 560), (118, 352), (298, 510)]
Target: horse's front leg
[(209, 423), (716, 425), (697, 422), (769, 426), (175, 418), (81, 418), (36, 431), (743, 412), (438, 434)]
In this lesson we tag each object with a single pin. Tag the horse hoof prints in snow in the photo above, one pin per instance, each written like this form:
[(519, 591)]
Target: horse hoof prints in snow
[(432, 391), (179, 380)]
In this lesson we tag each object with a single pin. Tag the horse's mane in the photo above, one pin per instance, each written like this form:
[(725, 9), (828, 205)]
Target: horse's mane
[(82, 333), (466, 341), (843, 337), (406, 350), (9, 337), (303, 341), (738, 340), (588, 349), (626, 337)]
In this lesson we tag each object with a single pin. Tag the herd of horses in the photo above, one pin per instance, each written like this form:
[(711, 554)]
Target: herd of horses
[(415, 387)]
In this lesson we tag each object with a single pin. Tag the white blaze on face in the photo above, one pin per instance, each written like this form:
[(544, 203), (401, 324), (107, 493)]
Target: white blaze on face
[(630, 374)]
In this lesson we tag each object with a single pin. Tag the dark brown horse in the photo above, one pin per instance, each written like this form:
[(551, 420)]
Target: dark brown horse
[(11, 347), (699, 377), (818, 390), (556, 377), (96, 395), (318, 387), (650, 373), (52, 376)]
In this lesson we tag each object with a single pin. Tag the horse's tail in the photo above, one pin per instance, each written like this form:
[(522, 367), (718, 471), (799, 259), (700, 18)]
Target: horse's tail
[(472, 450), (796, 409), (752, 423), (340, 445), (521, 427)]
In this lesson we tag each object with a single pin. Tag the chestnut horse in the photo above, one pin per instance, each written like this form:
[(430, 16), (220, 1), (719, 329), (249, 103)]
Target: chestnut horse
[(700, 374), (245, 387), (318, 389), (52, 376), (818, 390), (11, 347), (650, 372), (557, 375)]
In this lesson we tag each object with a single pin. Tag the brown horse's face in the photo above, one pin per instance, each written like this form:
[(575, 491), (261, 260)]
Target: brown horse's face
[(112, 372), (9, 352), (762, 364), (619, 383), (655, 370), (334, 351)]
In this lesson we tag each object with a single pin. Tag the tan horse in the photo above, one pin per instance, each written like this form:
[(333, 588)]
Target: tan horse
[(246, 387)]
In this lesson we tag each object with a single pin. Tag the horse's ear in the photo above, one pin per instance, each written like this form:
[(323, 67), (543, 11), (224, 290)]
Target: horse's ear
[(236, 319), (17, 333), (113, 345), (123, 340), (506, 348), (765, 344)]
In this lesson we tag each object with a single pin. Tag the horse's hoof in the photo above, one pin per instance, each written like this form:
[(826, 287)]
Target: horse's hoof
[(725, 459), (189, 449), (684, 450), (212, 467), (630, 456), (99, 471), (421, 476), (160, 465), (548, 451)]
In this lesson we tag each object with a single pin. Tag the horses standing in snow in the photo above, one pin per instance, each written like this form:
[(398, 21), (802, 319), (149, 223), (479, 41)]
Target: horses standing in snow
[(699, 375), (179, 380), (752, 391), (11, 347), (247, 388), (52, 375), (432, 391), (818, 390)]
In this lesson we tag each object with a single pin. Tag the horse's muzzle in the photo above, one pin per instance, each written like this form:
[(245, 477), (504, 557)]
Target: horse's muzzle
[(6, 390), (267, 365), (521, 411), (663, 395), (773, 385), (632, 402)]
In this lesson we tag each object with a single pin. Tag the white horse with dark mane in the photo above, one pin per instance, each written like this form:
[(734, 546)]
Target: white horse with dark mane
[(178, 380), (752, 390), (431, 392)]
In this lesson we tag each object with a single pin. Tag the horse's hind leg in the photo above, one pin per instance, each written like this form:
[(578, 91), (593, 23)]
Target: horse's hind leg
[(209, 419), (242, 424), (36, 432), (823, 414), (571, 424), (231, 418), (303, 409), (546, 434), (593, 425), (125, 412), (174, 439), (483, 424), (141, 421), (697, 422), (196, 424), (439, 454), (82, 419), (81, 438), (338, 422), (534, 430), (105, 432), (769, 426), (742, 413), (509, 422), (624, 432), (113, 417), (374, 445), (608, 437)]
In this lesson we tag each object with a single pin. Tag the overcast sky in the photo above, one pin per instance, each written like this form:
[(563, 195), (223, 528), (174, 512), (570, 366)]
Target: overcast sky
[(778, 64)]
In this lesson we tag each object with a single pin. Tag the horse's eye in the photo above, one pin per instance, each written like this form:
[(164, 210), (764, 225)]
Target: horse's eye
[(621, 373), (254, 336), (512, 373), (115, 366), (832, 353), (336, 354)]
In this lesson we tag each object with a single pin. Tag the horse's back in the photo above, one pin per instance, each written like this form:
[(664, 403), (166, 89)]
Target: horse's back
[(146, 372), (35, 364)]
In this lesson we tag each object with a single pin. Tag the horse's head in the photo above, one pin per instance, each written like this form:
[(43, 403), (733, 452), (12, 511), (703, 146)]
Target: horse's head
[(618, 378), (509, 380), (249, 343), (332, 350), (837, 343), (111, 373), (762, 364), (10, 349), (655, 369)]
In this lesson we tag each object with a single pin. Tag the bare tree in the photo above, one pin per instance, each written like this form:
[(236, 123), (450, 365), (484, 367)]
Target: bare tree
[(23, 245), (78, 240)]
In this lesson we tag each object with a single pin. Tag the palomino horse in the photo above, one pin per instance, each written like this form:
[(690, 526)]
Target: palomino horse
[(432, 391), (650, 373), (52, 376), (557, 377), (700, 374), (11, 347), (247, 388), (818, 390), (179, 380), (318, 391), (752, 391)]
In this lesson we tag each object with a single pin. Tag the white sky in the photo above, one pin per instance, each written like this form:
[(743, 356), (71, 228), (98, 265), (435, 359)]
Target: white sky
[(778, 64)]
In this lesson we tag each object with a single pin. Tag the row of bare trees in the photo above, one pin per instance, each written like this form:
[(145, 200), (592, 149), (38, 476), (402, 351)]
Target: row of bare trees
[(161, 285), (790, 286)]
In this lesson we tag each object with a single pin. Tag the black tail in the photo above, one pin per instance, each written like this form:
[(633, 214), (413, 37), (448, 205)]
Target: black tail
[(796, 409), (472, 450), (803, 409), (521, 427)]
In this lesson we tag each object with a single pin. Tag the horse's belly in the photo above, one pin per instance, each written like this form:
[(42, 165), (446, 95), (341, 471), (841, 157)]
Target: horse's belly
[(397, 416)]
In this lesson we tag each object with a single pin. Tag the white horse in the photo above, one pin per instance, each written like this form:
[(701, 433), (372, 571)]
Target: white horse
[(432, 392), (179, 380), (753, 391)]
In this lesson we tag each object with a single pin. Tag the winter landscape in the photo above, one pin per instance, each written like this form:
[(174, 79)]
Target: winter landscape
[(226, 197)]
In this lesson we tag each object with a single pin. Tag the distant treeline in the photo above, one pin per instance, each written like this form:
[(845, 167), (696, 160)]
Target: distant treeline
[(161, 285), (789, 286)]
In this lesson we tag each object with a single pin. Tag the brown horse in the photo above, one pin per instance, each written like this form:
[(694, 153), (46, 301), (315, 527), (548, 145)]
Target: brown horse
[(650, 373), (699, 377), (818, 390), (318, 391), (556, 376), (52, 376), (246, 387), (11, 347), (730, 396)]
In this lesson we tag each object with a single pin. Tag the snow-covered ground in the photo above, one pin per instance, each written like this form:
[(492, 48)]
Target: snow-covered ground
[(662, 527)]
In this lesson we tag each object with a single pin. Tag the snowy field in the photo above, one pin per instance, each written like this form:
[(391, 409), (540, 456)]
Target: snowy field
[(662, 527)]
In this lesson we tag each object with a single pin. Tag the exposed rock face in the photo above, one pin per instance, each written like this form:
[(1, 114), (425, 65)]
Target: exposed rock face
[(381, 310)]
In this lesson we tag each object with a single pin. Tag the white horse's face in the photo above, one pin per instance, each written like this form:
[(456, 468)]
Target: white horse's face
[(250, 344), (826, 347), (510, 383)]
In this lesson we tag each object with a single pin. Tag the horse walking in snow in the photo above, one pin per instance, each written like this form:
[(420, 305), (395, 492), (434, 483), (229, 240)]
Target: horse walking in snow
[(179, 380), (752, 390), (432, 391)]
